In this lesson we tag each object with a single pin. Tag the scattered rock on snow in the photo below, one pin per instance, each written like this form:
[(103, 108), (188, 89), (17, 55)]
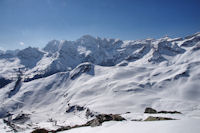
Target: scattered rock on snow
[(89, 113), (21, 118), (170, 112), (40, 131), (153, 111), (152, 118), (150, 110), (74, 108), (103, 118)]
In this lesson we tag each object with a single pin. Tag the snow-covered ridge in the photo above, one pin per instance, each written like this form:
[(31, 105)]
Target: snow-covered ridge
[(64, 55), (104, 75)]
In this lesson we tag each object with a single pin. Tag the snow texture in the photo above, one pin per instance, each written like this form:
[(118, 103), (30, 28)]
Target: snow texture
[(106, 76)]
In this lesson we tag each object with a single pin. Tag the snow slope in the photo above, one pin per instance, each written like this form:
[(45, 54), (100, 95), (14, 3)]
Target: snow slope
[(144, 127), (104, 75)]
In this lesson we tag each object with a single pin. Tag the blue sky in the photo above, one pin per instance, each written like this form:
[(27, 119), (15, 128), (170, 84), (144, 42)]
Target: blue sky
[(26, 23)]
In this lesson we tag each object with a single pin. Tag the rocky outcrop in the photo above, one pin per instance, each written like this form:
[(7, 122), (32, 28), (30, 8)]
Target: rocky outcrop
[(82, 68), (74, 108), (21, 118), (16, 88), (29, 57), (153, 111), (103, 118), (93, 123), (4, 82), (150, 111), (152, 118), (170, 112), (40, 131)]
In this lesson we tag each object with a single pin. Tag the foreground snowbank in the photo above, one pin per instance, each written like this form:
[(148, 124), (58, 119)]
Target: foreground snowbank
[(177, 126)]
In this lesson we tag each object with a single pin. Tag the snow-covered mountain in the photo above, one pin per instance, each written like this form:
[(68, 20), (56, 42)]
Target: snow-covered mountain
[(104, 75)]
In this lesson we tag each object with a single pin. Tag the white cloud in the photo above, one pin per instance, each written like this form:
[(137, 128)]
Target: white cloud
[(21, 43)]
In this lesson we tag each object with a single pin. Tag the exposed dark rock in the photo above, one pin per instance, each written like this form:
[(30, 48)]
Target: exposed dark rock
[(183, 74), (83, 68), (153, 111), (4, 82), (152, 118), (40, 131), (21, 118), (100, 118), (150, 111), (170, 112), (89, 113), (103, 118), (14, 127), (191, 42), (63, 129), (128, 112), (16, 87), (136, 120), (38, 76), (95, 122), (75, 108)]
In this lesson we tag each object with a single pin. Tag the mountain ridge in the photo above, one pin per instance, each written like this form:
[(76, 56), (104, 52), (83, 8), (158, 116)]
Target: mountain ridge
[(103, 75), (66, 55)]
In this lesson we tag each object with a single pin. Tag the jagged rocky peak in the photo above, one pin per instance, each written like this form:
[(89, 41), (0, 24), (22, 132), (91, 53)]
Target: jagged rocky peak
[(90, 41), (30, 56), (30, 53), (194, 35), (167, 47), (62, 55), (52, 46), (191, 40), (86, 38), (104, 75)]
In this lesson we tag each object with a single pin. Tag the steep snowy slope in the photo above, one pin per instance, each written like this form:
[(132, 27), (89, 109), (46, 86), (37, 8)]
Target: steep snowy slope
[(104, 75)]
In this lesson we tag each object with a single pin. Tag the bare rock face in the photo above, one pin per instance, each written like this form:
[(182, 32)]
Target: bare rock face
[(150, 110), (103, 118), (82, 68), (93, 123), (153, 111), (151, 118), (4, 82), (21, 118), (75, 108), (40, 131), (89, 113), (170, 112)]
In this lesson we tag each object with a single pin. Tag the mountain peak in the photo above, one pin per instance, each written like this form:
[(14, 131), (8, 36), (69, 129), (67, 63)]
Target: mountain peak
[(87, 36), (99, 75), (86, 39), (52, 46)]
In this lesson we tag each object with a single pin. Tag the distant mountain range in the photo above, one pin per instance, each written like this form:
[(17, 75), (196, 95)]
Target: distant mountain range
[(104, 75)]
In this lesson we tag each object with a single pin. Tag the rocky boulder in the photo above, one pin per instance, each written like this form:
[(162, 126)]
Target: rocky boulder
[(152, 118), (103, 118), (150, 110)]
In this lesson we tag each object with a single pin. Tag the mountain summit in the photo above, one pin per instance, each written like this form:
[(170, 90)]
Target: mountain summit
[(101, 75)]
